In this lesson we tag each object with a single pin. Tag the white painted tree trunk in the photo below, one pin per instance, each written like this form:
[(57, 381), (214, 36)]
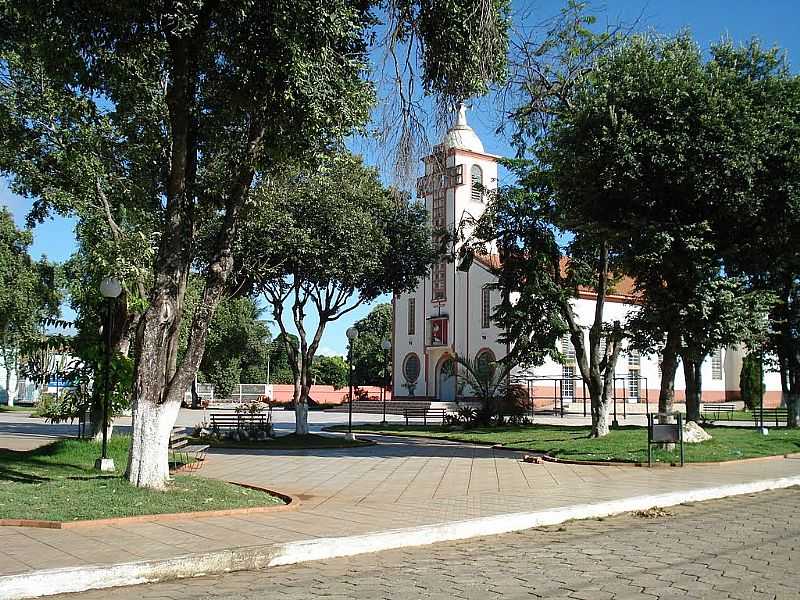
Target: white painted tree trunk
[(97, 435), (301, 417), (11, 387), (148, 460), (600, 418)]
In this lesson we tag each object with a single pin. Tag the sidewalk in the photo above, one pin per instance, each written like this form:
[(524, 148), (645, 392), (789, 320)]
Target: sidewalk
[(399, 484)]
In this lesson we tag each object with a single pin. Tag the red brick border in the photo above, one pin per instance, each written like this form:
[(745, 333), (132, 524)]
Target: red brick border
[(292, 503)]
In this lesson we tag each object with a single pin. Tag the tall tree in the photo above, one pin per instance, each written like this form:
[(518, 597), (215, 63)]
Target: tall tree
[(238, 340), (329, 370), (28, 297), (542, 273), (370, 360), (761, 242), (212, 94), (541, 277), (647, 154), (344, 240)]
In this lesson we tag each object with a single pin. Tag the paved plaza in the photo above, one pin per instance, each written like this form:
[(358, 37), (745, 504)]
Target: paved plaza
[(740, 548), (396, 484)]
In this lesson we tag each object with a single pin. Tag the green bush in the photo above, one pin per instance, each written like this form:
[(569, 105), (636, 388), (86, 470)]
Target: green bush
[(55, 410), (751, 381), (45, 405)]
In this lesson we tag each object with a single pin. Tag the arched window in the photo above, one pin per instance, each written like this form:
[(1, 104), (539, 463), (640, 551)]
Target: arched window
[(477, 183), (484, 360), (411, 367)]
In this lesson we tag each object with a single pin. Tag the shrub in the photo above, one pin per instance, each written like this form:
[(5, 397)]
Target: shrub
[(467, 416), (58, 410), (751, 381), (515, 402)]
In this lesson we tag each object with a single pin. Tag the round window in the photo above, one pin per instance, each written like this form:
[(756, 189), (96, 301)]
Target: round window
[(411, 368)]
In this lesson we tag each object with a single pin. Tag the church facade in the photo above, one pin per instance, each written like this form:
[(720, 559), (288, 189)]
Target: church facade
[(449, 313)]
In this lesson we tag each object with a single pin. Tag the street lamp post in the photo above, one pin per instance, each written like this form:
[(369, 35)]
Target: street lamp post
[(110, 288), (352, 334), (386, 345)]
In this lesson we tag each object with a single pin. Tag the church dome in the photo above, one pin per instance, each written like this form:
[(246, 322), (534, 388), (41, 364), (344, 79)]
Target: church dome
[(461, 136)]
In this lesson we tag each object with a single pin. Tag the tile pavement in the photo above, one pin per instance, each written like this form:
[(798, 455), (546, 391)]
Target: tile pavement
[(394, 484), (737, 548)]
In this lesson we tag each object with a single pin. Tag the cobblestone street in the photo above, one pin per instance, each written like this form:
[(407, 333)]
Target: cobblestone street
[(745, 547)]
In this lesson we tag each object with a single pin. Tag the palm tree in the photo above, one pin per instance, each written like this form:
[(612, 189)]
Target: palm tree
[(486, 380)]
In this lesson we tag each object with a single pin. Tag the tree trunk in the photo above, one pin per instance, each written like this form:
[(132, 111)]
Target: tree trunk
[(97, 435), (692, 372), (669, 366), (9, 393), (793, 409), (792, 397), (596, 371), (301, 389), (600, 415), (195, 395), (96, 421), (148, 460), (10, 366), (600, 408), (301, 417)]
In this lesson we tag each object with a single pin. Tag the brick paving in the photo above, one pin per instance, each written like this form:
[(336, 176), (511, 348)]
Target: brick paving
[(739, 548), (397, 483)]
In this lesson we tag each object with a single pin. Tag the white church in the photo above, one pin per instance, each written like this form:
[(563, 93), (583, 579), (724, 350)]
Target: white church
[(448, 314)]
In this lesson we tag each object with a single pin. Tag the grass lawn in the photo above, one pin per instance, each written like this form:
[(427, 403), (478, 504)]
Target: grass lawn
[(288, 442), (58, 482), (15, 408), (626, 444)]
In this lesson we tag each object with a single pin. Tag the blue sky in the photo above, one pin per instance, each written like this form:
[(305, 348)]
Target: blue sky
[(773, 21)]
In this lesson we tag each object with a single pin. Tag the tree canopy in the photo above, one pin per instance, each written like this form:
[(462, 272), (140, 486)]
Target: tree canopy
[(29, 296), (370, 360), (336, 238), (238, 343), (650, 152), (173, 114)]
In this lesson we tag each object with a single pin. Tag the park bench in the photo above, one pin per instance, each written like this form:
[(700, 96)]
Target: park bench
[(182, 452), (434, 414), (221, 421), (716, 410), (770, 415)]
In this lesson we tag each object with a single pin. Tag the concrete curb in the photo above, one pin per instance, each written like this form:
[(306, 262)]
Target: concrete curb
[(78, 579)]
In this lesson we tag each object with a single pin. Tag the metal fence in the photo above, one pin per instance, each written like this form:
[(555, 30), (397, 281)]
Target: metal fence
[(204, 390), (251, 392), (557, 395)]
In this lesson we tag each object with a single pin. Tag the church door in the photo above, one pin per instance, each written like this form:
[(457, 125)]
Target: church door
[(447, 381)]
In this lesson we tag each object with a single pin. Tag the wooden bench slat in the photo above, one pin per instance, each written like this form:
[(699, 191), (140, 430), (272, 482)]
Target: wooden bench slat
[(179, 447), (231, 421), (195, 448), (424, 413)]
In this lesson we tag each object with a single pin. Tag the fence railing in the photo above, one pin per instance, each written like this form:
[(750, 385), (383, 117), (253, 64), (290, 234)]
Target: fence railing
[(555, 394), (204, 390), (251, 392)]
